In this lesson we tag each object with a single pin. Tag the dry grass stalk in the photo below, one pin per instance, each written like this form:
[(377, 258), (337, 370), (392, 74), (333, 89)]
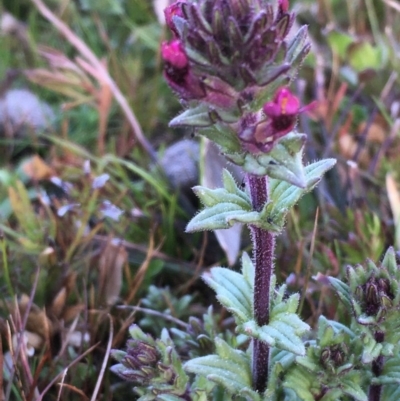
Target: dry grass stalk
[(95, 67)]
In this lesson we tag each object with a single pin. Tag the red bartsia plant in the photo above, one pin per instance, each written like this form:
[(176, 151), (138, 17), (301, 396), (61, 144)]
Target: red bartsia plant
[(230, 62)]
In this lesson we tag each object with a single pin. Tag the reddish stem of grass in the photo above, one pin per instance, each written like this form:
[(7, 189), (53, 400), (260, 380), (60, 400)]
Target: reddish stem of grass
[(263, 256)]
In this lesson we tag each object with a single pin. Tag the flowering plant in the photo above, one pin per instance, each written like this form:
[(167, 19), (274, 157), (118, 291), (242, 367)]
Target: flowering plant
[(231, 64)]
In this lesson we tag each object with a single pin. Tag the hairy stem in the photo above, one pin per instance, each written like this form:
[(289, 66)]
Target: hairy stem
[(263, 255), (377, 367)]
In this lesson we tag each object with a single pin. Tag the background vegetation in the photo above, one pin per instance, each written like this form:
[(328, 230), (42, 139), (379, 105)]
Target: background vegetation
[(93, 212)]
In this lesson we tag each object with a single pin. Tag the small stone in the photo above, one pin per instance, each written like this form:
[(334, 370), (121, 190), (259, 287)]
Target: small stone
[(180, 162), (23, 113)]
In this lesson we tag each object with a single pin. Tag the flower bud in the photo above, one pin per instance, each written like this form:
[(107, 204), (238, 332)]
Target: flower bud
[(325, 355), (174, 55), (283, 6), (170, 12), (372, 295)]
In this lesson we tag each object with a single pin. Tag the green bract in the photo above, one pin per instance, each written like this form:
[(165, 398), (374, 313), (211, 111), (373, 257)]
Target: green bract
[(229, 205)]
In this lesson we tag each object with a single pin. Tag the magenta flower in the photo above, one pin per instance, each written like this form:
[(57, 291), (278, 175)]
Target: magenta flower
[(172, 11), (177, 71), (281, 113), (284, 6), (174, 55), (189, 86)]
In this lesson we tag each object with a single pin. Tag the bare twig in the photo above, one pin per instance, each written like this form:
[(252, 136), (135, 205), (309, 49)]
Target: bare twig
[(61, 384), (88, 351), (140, 274), (105, 361), (20, 344), (155, 313)]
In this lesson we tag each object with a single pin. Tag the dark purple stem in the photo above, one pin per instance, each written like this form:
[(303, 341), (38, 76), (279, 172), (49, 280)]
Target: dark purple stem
[(374, 393), (263, 256)]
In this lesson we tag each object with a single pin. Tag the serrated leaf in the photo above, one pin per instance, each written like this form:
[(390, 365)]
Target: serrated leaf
[(212, 197), (307, 363), (223, 215), (296, 44), (389, 261), (231, 371), (248, 269), (223, 207), (291, 395), (290, 305), (390, 373), (334, 394), (282, 358), (170, 397), (284, 195), (390, 393), (371, 349), (351, 387), (193, 117), (223, 135), (232, 290), (284, 335), (214, 174), (342, 290), (301, 383), (231, 186)]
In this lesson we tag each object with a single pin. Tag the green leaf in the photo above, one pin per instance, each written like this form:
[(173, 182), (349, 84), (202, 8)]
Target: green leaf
[(363, 56), (390, 393), (283, 333), (233, 291), (301, 382), (280, 362), (223, 135), (231, 186), (283, 195), (371, 349), (350, 385), (229, 205), (169, 397), (389, 261), (282, 162), (248, 269), (342, 290), (339, 42), (193, 117), (230, 368), (222, 215), (223, 207), (213, 197), (296, 44), (390, 373)]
